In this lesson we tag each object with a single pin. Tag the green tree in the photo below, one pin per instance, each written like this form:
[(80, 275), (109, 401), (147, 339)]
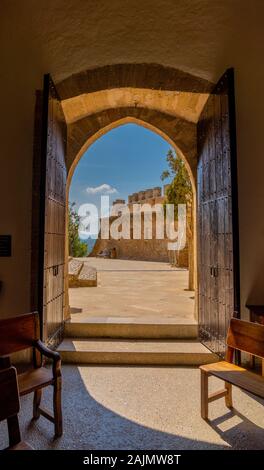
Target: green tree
[(179, 191), (77, 248)]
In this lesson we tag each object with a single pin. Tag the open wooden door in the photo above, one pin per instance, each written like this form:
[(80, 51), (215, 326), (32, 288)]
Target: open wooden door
[(49, 186), (218, 247)]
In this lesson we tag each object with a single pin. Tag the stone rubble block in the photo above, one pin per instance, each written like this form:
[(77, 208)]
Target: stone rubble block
[(81, 274), (87, 276)]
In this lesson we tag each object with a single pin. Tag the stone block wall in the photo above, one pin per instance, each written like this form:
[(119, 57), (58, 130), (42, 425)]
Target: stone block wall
[(141, 249)]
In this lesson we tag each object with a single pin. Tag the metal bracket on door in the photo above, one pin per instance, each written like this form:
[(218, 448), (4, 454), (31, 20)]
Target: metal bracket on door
[(213, 271), (55, 270)]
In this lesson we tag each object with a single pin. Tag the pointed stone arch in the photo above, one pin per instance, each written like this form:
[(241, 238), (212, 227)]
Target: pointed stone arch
[(147, 76), (179, 133), (165, 100)]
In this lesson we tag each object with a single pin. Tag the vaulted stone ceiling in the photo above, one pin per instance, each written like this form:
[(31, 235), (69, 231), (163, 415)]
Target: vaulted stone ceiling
[(182, 104), (149, 86)]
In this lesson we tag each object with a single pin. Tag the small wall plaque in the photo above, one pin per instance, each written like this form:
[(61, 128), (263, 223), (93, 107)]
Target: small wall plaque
[(5, 245)]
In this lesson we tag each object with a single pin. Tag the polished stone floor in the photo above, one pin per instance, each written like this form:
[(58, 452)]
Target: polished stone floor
[(142, 408)]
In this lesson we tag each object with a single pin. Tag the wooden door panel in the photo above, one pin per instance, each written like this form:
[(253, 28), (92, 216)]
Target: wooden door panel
[(53, 195), (218, 291)]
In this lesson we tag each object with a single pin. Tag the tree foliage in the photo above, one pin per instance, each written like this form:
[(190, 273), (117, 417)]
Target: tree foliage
[(180, 188), (179, 191), (77, 248)]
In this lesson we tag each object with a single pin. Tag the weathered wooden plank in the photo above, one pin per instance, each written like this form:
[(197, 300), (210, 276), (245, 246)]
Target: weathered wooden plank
[(55, 212), (216, 235)]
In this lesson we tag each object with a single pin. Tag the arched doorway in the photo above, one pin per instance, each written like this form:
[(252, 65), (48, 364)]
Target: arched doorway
[(145, 263), (167, 100), (175, 142)]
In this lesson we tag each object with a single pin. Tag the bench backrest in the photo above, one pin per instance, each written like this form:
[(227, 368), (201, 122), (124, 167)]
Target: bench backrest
[(246, 336), (9, 403), (18, 333)]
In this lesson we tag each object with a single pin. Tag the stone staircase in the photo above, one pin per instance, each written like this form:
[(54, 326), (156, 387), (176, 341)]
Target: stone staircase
[(111, 340)]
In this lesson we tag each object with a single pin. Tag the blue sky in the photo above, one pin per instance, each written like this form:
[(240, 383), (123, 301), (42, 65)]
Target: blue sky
[(127, 159)]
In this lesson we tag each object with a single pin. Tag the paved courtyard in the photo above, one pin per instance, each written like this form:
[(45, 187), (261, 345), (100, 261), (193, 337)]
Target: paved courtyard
[(141, 408), (134, 291)]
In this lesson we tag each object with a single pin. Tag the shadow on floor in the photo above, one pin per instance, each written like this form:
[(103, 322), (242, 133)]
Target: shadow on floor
[(241, 426), (75, 310), (90, 425)]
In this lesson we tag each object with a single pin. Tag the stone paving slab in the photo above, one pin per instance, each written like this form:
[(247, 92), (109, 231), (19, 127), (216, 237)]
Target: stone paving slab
[(75, 267), (81, 274), (87, 276), (141, 290)]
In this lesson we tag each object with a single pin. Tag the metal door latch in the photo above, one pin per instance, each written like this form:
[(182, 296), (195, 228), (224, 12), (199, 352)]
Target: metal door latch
[(213, 271), (55, 270)]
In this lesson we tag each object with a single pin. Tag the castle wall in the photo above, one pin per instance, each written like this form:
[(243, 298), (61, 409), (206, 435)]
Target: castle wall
[(142, 250), (151, 249)]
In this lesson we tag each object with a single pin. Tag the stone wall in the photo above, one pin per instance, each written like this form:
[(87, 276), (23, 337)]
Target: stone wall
[(149, 196), (142, 249)]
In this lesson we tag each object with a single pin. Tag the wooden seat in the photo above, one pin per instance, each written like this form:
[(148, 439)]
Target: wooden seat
[(34, 379), (9, 408), (22, 332), (238, 376), (242, 336)]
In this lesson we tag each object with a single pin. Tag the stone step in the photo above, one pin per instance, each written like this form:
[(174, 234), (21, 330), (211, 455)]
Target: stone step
[(75, 267), (81, 274), (133, 352), (87, 277), (116, 327)]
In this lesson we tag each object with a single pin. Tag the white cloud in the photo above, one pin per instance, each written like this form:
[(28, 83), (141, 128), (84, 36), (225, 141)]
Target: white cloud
[(102, 189)]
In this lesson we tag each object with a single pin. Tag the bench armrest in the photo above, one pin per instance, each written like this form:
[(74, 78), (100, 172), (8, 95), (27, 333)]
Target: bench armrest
[(47, 352)]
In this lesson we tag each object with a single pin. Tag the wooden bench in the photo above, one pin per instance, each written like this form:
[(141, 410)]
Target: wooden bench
[(23, 332), (242, 336), (256, 314), (9, 408)]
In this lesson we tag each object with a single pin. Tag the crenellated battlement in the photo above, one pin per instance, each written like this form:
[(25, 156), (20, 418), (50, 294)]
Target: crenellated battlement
[(147, 194)]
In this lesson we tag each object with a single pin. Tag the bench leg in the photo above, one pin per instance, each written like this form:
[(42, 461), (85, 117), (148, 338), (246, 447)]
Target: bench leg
[(57, 407), (204, 394), (36, 403), (251, 361), (228, 397), (13, 430)]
